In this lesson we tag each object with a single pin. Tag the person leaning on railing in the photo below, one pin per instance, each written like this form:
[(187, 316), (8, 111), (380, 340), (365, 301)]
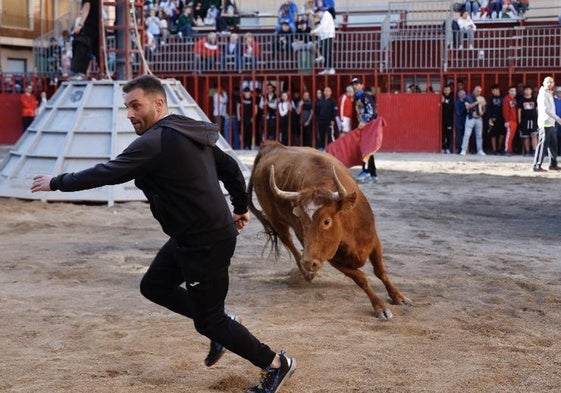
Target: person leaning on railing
[(251, 51), (206, 53)]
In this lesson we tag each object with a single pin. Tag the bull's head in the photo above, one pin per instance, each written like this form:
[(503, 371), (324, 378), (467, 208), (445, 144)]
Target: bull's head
[(318, 210)]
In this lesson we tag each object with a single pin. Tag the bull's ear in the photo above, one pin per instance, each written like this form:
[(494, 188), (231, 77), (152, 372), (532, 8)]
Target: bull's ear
[(297, 211), (349, 201)]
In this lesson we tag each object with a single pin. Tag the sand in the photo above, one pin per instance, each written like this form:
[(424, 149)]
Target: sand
[(474, 242)]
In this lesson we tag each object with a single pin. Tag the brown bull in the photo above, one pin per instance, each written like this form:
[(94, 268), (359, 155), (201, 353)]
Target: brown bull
[(315, 195)]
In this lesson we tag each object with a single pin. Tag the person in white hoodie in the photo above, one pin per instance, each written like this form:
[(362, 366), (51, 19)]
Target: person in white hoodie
[(546, 125), (467, 29), (326, 33)]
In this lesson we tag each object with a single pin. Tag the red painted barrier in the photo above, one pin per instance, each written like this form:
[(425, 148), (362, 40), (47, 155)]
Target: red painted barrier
[(413, 122), (10, 115)]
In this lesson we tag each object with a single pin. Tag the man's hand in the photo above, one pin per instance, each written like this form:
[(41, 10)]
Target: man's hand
[(241, 220), (41, 183)]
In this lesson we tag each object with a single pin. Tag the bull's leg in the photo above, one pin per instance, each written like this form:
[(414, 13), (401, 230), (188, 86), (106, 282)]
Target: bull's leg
[(285, 237), (380, 309), (380, 272)]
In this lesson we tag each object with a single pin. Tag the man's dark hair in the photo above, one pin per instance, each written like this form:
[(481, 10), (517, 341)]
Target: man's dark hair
[(148, 83), (495, 86)]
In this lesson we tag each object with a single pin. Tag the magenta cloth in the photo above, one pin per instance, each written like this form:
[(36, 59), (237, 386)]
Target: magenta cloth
[(359, 144)]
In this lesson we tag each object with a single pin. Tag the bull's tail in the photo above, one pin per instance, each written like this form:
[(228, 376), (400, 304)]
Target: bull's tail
[(270, 232)]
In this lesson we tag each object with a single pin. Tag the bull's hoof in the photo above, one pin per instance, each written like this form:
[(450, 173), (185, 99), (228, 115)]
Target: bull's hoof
[(309, 277), (299, 277), (403, 301), (384, 315)]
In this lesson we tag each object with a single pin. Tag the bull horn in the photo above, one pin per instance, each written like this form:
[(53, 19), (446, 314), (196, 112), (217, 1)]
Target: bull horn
[(341, 192), (288, 195)]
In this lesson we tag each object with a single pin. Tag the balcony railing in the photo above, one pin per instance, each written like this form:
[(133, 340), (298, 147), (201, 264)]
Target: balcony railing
[(419, 49)]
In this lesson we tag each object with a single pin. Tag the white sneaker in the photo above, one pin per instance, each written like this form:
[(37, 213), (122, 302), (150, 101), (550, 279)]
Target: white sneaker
[(463, 153), (331, 71), (318, 59), (481, 153), (324, 72)]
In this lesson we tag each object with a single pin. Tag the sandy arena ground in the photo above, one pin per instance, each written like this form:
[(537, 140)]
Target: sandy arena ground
[(474, 242)]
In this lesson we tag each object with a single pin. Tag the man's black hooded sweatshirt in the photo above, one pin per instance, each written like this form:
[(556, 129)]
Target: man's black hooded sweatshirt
[(177, 166)]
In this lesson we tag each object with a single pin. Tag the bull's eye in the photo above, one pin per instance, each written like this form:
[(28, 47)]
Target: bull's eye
[(327, 222)]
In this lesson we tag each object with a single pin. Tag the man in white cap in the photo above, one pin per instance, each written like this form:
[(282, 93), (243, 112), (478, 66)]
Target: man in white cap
[(546, 125)]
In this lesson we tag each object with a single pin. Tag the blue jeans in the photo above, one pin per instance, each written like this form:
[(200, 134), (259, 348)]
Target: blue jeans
[(471, 125), (232, 132)]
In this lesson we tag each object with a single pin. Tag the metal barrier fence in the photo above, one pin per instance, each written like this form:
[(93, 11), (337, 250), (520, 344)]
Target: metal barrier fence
[(422, 49), (433, 49)]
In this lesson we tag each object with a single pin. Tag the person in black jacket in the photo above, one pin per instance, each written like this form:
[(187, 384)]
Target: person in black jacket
[(447, 118), (326, 111), (177, 165)]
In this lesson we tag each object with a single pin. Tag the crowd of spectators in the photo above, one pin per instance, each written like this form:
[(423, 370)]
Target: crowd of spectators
[(303, 35), (293, 117), (504, 123), (494, 9), (472, 11)]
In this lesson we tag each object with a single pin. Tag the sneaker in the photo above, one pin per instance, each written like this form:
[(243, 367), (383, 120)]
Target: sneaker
[(217, 350), (272, 379), (481, 153), (362, 177), (324, 72), (331, 71), (539, 169), (371, 179), (554, 168), (318, 59), (78, 76), (463, 153)]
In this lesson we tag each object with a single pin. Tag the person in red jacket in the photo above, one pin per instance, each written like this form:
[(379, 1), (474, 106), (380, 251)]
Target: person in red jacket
[(206, 53), (510, 115), (28, 107)]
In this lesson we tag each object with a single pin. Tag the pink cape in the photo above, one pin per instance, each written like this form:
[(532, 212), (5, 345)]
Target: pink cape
[(358, 145)]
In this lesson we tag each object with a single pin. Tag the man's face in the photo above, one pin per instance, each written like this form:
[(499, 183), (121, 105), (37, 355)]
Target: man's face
[(477, 91), (357, 86), (512, 92), (142, 110), (527, 92), (496, 92), (327, 92), (549, 83), (446, 90)]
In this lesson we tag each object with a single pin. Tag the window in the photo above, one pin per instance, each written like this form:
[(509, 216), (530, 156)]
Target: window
[(16, 66), (16, 13)]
